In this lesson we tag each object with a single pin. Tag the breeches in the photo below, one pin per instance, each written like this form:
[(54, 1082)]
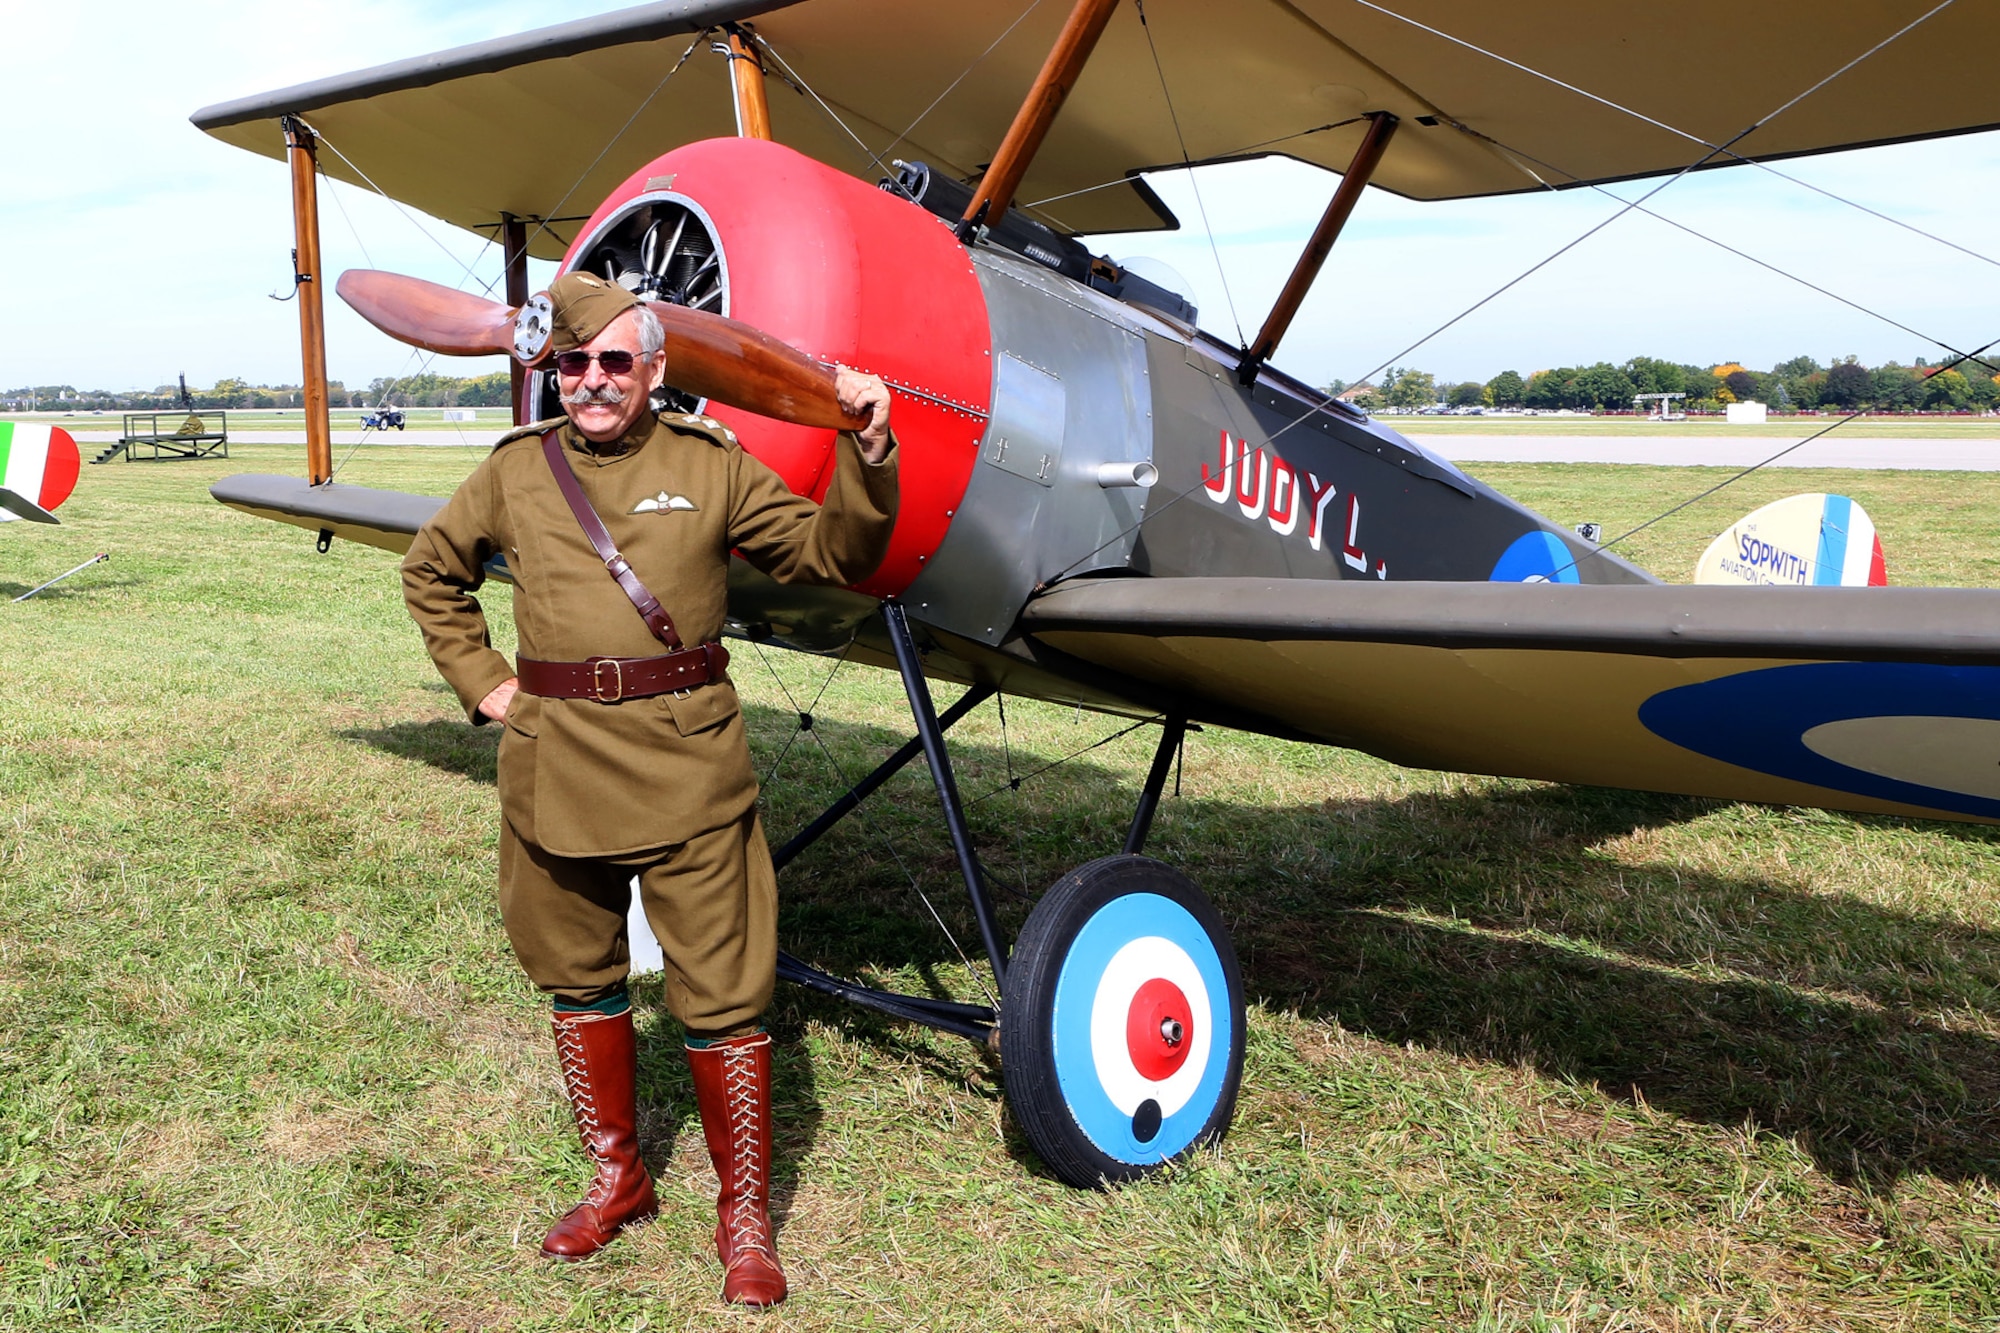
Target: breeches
[(712, 902)]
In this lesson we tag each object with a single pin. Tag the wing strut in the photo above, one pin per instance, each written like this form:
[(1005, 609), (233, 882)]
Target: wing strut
[(514, 254), (1038, 111), (1373, 144), (746, 75), (303, 148)]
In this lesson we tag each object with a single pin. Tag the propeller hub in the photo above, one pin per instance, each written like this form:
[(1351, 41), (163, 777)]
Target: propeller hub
[(533, 324)]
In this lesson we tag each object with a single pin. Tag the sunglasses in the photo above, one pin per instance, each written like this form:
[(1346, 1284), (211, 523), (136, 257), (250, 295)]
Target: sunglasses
[(614, 362)]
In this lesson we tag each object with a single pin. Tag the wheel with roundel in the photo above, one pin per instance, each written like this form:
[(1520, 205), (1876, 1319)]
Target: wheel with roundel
[(1121, 1026)]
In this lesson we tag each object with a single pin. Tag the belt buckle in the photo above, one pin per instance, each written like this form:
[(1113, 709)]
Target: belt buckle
[(617, 679)]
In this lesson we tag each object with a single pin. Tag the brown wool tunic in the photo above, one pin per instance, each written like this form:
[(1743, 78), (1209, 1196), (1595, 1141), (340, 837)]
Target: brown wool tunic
[(585, 779)]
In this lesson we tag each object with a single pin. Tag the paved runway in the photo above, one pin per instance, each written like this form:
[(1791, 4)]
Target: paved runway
[(1718, 451), (473, 436)]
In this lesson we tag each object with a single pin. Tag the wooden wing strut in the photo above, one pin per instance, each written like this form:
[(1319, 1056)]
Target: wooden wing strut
[(1038, 111), (1373, 144)]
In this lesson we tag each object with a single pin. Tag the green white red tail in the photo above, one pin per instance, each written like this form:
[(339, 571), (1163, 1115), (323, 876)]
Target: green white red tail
[(38, 468)]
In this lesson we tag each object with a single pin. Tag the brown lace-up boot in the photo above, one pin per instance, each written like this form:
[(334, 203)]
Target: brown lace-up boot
[(599, 1066), (732, 1086)]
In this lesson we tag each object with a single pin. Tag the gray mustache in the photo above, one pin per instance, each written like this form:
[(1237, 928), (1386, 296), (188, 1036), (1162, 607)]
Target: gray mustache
[(606, 394)]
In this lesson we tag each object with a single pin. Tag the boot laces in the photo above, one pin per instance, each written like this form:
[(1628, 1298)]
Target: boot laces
[(749, 1225), (573, 1057)]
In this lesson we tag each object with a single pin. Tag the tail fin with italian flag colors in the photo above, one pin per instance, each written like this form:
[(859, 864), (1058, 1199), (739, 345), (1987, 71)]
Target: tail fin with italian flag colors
[(38, 467), (1825, 541)]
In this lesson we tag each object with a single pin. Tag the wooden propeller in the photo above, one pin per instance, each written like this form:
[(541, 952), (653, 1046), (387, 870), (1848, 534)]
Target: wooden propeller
[(710, 356), (427, 314)]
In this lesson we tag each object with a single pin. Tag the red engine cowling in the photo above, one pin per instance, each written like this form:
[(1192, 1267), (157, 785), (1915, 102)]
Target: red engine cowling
[(846, 273)]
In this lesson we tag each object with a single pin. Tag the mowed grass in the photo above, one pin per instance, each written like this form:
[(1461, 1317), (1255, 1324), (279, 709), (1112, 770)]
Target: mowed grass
[(1520, 1056)]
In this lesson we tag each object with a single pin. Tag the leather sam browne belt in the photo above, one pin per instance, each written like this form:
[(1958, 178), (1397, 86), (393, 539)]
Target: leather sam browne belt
[(609, 679)]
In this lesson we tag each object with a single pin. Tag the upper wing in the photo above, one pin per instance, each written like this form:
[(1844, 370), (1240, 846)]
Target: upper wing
[(1880, 699), (513, 125)]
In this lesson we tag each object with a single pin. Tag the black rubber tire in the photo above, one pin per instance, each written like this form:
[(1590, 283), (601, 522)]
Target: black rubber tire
[(1028, 1039)]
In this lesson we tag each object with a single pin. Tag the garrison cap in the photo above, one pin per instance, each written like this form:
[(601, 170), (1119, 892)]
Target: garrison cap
[(581, 304)]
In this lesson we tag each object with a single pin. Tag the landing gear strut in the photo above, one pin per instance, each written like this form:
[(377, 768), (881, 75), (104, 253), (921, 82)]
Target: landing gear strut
[(1120, 1028)]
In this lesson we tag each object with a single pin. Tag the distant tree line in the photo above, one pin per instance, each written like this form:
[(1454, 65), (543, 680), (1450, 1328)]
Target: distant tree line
[(1800, 384), (426, 390)]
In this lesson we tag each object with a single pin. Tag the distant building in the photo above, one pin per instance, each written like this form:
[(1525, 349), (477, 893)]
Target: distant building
[(1353, 392)]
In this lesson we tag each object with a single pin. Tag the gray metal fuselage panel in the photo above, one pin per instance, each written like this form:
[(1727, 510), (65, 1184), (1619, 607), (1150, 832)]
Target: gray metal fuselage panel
[(1071, 393)]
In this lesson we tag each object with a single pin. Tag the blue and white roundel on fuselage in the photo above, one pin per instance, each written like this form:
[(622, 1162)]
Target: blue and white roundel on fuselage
[(1536, 557)]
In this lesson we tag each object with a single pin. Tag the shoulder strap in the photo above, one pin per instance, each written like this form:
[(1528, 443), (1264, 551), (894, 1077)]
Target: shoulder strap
[(542, 427), (648, 606)]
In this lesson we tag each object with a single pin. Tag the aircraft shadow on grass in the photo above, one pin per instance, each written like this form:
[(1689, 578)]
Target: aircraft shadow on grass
[(10, 589), (1806, 1028)]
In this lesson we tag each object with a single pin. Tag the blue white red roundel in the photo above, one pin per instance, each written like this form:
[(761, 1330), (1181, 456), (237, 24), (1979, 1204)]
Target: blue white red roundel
[(1143, 1028)]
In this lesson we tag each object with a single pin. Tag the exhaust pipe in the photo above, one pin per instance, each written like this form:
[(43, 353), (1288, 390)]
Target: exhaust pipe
[(1141, 474)]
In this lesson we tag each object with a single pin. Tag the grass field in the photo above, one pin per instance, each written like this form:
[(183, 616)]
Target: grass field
[(1521, 1057)]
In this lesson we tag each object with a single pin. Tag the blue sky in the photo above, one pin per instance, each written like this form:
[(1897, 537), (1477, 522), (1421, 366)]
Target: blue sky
[(139, 248)]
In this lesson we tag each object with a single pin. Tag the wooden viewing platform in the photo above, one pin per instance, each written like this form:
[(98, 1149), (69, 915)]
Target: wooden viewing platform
[(195, 435)]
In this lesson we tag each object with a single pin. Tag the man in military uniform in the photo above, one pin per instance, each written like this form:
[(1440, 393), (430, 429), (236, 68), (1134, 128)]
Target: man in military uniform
[(619, 759)]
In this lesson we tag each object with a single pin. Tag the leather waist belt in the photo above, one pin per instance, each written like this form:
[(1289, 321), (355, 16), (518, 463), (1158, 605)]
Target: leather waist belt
[(609, 679)]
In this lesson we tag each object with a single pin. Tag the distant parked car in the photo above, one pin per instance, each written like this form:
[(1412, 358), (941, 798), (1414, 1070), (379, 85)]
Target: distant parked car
[(382, 418)]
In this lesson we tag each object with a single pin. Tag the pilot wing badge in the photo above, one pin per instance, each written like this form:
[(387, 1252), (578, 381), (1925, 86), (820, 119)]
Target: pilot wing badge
[(663, 503)]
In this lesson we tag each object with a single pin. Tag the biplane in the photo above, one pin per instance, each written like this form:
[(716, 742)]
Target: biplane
[(1106, 505)]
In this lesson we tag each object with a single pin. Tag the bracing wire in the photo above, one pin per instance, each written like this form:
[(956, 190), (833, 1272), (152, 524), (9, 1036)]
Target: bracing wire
[(805, 714), (1754, 467), (1187, 163), (1676, 131), (1622, 109), (468, 266), (464, 265), (806, 727), (542, 224), (797, 80), (888, 843), (1715, 151), (963, 74), (340, 205), (1626, 206), (1014, 783), (1745, 255), (1232, 154)]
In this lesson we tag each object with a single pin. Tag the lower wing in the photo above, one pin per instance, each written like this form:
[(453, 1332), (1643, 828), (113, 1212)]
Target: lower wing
[(388, 519), (1872, 699)]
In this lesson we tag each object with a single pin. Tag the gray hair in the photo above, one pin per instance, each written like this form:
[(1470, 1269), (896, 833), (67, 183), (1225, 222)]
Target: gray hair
[(651, 336)]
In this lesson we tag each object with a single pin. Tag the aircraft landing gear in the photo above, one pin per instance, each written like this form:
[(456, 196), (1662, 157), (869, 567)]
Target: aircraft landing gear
[(1120, 1028)]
